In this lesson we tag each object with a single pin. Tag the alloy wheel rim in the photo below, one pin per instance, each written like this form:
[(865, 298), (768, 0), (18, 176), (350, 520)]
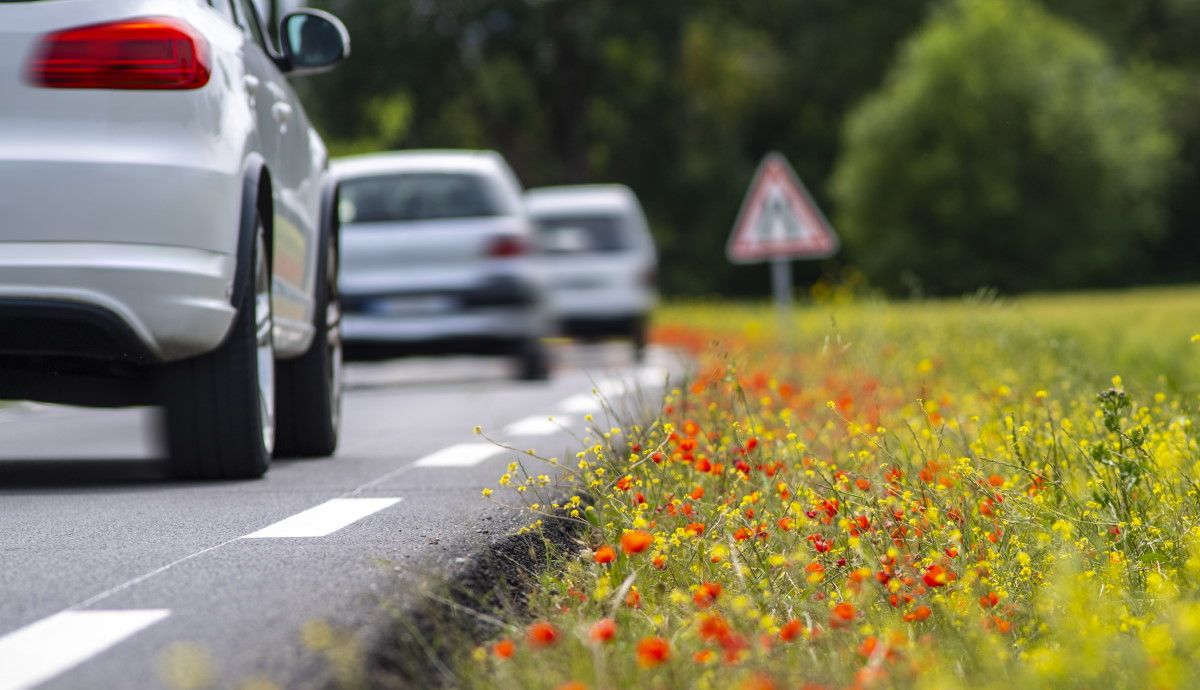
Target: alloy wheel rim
[(264, 345)]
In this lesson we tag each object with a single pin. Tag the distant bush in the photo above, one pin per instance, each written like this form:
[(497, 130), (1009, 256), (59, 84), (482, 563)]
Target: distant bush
[(1007, 149)]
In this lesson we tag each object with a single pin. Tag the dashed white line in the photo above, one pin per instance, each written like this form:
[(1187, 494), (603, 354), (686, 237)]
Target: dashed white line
[(461, 455), (652, 377), (538, 426), (325, 519), (42, 650), (580, 404)]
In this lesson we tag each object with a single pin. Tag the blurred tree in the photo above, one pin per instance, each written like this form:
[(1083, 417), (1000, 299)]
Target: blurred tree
[(1007, 149), (677, 98)]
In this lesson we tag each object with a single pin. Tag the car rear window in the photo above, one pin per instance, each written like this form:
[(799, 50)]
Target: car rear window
[(583, 234), (418, 196)]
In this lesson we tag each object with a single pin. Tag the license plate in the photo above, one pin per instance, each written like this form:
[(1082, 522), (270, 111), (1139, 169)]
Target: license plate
[(411, 306)]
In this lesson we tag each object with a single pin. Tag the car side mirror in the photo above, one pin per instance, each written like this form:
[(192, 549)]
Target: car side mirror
[(313, 41)]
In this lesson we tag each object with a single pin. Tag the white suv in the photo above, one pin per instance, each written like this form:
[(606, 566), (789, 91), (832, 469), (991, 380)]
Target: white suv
[(169, 227)]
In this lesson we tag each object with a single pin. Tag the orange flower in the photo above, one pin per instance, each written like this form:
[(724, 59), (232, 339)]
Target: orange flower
[(659, 561), (625, 483), (542, 634), (696, 528), (604, 554), (603, 630), (842, 614), (504, 649), (937, 576), (636, 541), (633, 600), (791, 630), (862, 484), (697, 493), (918, 614), (758, 683), (989, 600), (713, 627), (703, 656), (706, 594), (652, 651), (572, 685), (743, 533), (996, 480)]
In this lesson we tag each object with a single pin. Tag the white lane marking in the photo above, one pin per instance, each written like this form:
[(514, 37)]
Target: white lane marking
[(43, 650), (612, 388), (325, 519), (652, 377), (538, 426), (461, 455), (580, 404)]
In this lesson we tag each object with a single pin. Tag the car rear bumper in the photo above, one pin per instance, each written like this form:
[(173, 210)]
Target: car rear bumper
[(483, 325), (116, 301)]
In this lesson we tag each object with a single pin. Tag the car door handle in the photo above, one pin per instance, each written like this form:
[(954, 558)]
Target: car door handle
[(252, 83), (282, 112)]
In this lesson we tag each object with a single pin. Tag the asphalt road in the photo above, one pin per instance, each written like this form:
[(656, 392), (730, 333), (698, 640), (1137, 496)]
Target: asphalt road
[(112, 576)]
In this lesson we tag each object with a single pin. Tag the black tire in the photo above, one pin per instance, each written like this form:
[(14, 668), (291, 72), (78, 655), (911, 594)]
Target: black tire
[(640, 340), (215, 408), (308, 390), (533, 361)]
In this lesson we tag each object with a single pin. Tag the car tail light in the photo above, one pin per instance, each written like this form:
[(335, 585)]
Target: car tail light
[(508, 245), (147, 53)]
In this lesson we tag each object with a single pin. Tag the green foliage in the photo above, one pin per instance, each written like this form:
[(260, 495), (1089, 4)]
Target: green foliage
[(1007, 149)]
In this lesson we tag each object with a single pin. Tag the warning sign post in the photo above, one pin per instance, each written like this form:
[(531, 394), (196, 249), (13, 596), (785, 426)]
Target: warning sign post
[(780, 222)]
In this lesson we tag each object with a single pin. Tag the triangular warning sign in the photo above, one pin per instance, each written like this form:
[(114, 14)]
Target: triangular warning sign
[(779, 219)]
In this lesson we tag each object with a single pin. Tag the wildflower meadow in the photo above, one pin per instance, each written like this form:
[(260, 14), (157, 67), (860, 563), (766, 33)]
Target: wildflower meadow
[(973, 493)]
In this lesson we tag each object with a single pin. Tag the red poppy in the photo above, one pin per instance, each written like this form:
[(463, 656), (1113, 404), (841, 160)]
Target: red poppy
[(652, 651), (603, 630), (604, 554), (504, 649), (636, 541), (542, 634), (706, 594)]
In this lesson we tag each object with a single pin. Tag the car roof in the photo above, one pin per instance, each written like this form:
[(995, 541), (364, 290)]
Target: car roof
[(482, 162), (597, 198)]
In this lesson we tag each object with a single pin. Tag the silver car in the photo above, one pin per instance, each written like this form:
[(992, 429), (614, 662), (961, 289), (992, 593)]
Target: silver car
[(599, 258), (437, 258)]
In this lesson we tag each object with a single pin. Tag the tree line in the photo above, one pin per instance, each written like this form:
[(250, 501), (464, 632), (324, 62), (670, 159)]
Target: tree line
[(954, 143)]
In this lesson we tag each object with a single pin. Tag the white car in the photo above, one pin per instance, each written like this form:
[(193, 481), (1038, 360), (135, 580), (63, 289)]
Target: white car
[(169, 225), (438, 258), (600, 260)]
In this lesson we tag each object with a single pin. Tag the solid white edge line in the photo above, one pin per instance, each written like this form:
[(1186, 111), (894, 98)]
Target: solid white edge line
[(324, 519), (42, 650), (459, 455)]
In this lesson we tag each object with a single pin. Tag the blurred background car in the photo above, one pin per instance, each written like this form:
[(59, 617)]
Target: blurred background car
[(599, 259), (169, 225), (438, 259)]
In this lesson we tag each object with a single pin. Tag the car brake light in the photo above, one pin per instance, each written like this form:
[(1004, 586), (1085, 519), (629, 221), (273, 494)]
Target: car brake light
[(507, 245), (147, 53)]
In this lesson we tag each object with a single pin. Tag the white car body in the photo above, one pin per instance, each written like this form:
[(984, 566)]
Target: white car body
[(598, 255), (125, 208), (425, 279), (130, 200)]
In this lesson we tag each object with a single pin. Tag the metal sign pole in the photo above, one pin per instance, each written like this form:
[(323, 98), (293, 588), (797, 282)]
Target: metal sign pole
[(781, 281)]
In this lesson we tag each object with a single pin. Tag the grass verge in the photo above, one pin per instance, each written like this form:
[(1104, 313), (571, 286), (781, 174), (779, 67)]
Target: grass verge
[(944, 494)]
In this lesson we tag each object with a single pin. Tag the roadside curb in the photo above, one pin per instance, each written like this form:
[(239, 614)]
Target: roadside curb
[(416, 644)]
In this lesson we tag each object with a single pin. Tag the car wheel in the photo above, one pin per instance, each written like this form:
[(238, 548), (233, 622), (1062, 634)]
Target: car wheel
[(220, 407), (640, 338), (309, 389), (533, 361)]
